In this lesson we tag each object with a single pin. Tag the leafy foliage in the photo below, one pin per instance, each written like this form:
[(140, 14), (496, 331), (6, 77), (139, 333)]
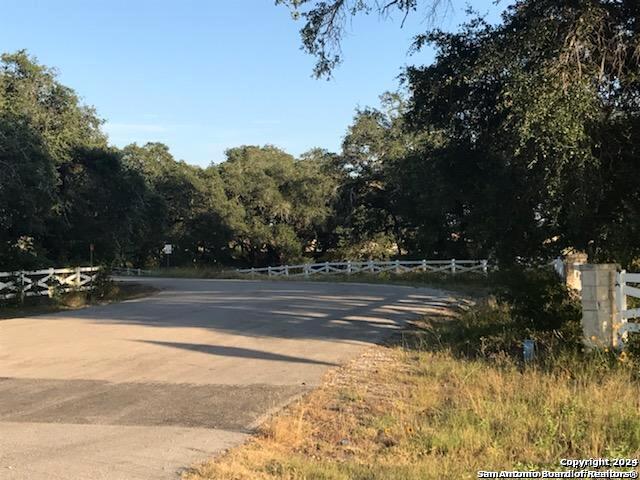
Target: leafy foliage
[(325, 23), (528, 111), (520, 141), (278, 205), (538, 299)]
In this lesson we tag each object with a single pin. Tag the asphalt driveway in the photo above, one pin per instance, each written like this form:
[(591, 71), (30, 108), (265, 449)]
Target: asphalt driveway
[(143, 388)]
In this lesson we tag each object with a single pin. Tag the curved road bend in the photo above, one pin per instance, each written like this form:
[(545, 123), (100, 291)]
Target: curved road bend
[(143, 388)]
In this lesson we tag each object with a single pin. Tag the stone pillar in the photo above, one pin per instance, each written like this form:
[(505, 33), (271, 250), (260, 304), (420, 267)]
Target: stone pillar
[(599, 311), (572, 263)]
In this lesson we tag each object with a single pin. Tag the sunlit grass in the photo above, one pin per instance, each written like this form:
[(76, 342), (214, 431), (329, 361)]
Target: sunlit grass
[(114, 292), (429, 407)]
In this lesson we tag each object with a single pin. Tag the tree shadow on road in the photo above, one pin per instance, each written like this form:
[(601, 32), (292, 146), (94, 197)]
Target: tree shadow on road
[(225, 351), (344, 313)]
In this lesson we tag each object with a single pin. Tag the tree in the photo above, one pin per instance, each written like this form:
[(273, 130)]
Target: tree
[(104, 205), (369, 223), (43, 126), (30, 90), (325, 23), (27, 192), (278, 203), (521, 140), (533, 102), (187, 203)]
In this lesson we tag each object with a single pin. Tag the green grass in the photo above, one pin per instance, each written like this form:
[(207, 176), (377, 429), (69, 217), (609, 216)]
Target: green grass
[(447, 399)]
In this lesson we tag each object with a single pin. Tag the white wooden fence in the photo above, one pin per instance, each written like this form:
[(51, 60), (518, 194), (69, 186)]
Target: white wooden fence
[(135, 272), (46, 282), (397, 266), (624, 290)]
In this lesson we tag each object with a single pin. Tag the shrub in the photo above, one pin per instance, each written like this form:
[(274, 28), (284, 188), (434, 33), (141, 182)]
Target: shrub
[(527, 304), (103, 286), (539, 300)]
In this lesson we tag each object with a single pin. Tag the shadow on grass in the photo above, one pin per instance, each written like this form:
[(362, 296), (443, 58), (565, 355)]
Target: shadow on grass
[(488, 332), (489, 335), (33, 306)]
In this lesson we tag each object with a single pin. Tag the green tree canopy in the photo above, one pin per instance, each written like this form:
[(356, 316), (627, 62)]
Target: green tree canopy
[(528, 109), (278, 203)]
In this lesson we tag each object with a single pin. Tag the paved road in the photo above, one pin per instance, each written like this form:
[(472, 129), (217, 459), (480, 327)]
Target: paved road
[(144, 388)]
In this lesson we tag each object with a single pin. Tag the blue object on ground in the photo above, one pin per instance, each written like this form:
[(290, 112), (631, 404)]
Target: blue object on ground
[(528, 350)]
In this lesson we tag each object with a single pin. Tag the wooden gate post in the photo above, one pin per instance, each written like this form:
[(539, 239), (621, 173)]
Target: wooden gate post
[(600, 317)]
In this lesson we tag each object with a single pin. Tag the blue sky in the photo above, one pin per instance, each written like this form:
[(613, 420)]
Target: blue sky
[(203, 76)]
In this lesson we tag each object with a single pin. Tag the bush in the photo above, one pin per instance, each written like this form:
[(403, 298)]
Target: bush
[(539, 300), (103, 286), (527, 304)]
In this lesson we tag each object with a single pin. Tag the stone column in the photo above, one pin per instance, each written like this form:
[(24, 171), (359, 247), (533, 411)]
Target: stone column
[(572, 263), (599, 311)]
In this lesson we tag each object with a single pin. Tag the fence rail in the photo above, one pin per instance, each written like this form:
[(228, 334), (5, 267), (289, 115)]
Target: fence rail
[(129, 272), (624, 290), (46, 282), (348, 267)]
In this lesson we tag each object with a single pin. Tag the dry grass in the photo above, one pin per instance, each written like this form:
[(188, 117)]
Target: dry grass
[(116, 292), (420, 410)]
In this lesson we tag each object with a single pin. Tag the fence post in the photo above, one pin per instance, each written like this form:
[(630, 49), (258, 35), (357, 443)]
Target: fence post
[(348, 267), (269, 271), (397, 265), (253, 271), (50, 288), (424, 265), (22, 295), (77, 277), (484, 267), (620, 297), (600, 310), (305, 269), (286, 270), (326, 267), (453, 266)]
